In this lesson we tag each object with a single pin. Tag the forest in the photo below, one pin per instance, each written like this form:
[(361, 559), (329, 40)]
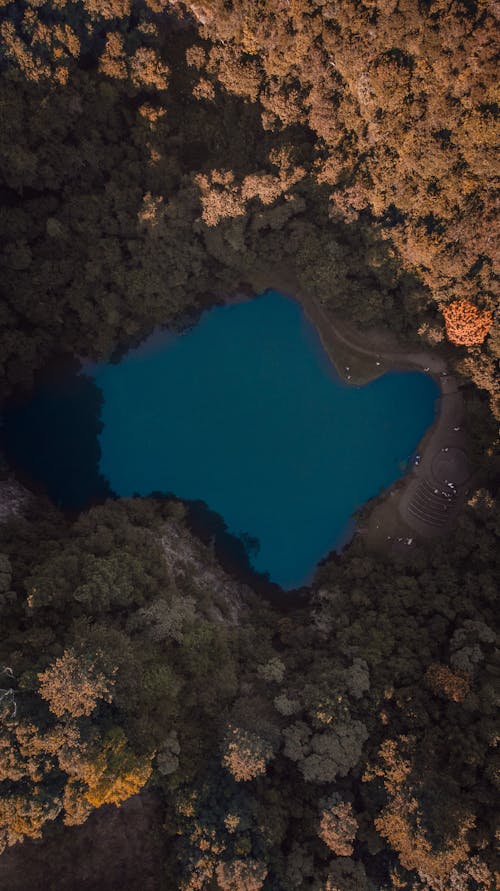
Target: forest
[(156, 158)]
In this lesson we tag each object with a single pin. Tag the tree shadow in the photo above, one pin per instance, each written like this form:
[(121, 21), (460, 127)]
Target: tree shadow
[(233, 552), (50, 437)]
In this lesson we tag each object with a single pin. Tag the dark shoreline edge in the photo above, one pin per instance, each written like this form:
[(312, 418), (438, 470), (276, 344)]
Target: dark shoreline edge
[(204, 523)]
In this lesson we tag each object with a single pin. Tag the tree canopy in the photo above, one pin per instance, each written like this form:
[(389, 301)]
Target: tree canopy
[(156, 158)]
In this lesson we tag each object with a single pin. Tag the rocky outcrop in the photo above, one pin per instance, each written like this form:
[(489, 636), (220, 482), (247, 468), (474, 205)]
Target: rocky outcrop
[(13, 499), (192, 566)]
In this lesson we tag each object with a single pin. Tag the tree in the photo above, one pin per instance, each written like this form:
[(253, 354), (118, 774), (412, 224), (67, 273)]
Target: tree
[(23, 816), (106, 771), (245, 753), (273, 671), (241, 875), (115, 773), (148, 70), (164, 620), (324, 756), (167, 760), (472, 640), (401, 821), (108, 9), (345, 874), (73, 685), (444, 682), (465, 324), (113, 59), (338, 826)]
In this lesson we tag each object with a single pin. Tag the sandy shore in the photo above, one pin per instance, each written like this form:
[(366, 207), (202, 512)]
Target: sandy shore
[(427, 500)]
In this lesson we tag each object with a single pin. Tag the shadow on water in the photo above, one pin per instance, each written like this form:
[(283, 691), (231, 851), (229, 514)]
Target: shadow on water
[(232, 552), (50, 437)]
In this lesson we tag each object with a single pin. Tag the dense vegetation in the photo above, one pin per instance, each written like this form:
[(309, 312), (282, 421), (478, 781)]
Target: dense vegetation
[(302, 747), (157, 157)]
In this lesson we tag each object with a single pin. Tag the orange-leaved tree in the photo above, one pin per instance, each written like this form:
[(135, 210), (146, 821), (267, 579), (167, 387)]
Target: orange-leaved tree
[(73, 685), (444, 682), (338, 827), (241, 875), (465, 323), (245, 754)]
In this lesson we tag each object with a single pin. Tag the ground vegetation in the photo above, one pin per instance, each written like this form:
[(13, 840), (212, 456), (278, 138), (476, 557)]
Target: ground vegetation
[(158, 158)]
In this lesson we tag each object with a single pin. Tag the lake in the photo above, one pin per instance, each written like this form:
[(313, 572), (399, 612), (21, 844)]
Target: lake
[(243, 411)]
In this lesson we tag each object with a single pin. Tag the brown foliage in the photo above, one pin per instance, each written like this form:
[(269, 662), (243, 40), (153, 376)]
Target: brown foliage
[(23, 816), (338, 828), (151, 211), (148, 70), (404, 110), (113, 61), (97, 772), (246, 754), (444, 682), (195, 56), (204, 89), (144, 68), (108, 9), (237, 76), (401, 823), (44, 53), (76, 806), (465, 323), (115, 774), (73, 685), (241, 875), (220, 196), (483, 370), (402, 96)]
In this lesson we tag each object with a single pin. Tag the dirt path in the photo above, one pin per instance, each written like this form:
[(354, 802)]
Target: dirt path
[(332, 333)]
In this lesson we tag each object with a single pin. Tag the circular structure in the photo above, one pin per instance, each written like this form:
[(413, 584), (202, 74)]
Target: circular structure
[(450, 465)]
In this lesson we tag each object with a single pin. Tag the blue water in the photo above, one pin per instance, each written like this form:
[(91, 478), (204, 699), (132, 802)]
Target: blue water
[(245, 412)]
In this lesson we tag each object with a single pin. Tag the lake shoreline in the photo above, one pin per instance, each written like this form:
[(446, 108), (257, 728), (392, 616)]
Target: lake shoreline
[(383, 521), (390, 526)]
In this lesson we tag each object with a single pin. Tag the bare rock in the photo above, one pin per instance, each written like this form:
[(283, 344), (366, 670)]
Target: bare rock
[(189, 560), (13, 499)]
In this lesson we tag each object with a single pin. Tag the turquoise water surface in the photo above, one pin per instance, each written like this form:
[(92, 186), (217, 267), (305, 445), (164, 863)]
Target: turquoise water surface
[(245, 412)]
